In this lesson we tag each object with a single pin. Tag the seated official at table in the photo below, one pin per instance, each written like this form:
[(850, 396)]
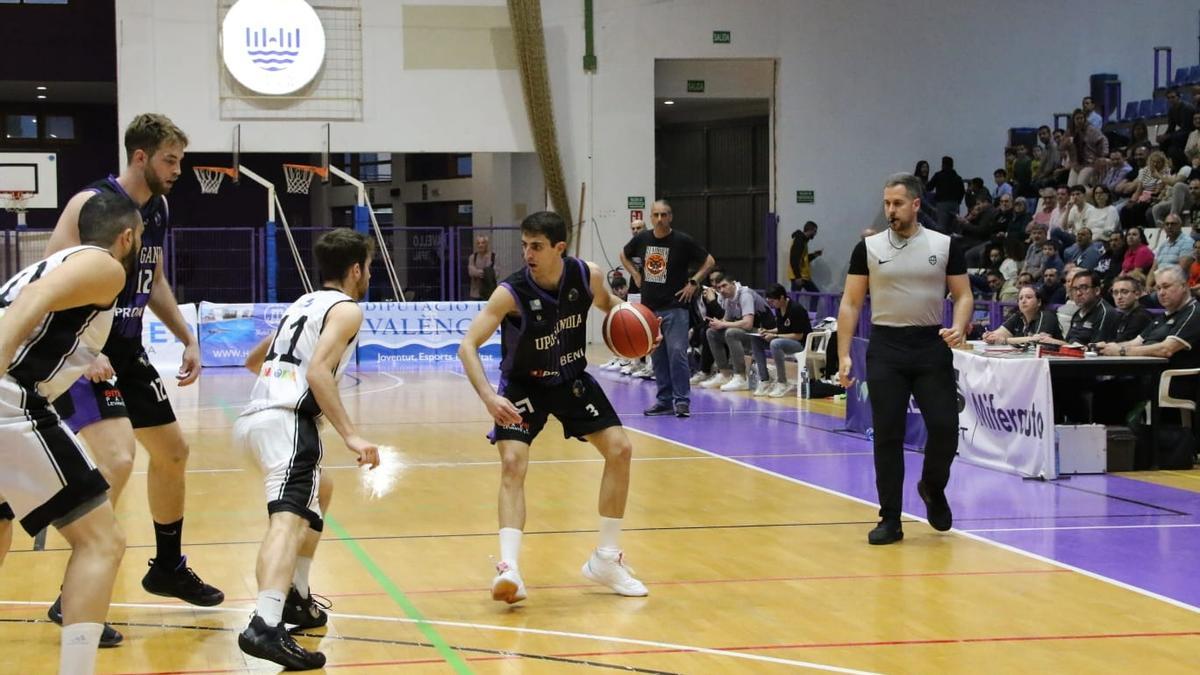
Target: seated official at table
[(1127, 293), (1169, 336), (1094, 319), (1030, 323)]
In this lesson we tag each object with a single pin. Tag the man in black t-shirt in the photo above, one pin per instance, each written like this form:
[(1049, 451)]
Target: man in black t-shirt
[(791, 328), (672, 266), (1095, 320), (1126, 292)]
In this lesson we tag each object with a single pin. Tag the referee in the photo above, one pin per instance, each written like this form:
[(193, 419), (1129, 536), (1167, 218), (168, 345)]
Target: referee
[(907, 269)]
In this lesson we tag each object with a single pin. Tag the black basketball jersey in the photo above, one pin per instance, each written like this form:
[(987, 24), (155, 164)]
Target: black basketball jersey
[(131, 304), (547, 342), (63, 344)]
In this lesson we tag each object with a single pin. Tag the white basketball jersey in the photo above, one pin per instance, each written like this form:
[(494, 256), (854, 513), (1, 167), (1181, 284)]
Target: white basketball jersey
[(283, 380), (64, 343)]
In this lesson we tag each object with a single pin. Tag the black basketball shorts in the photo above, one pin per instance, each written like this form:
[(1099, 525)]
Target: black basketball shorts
[(580, 405), (137, 392)]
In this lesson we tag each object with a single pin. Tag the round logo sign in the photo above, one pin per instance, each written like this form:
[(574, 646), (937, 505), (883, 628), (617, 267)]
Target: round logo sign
[(272, 46)]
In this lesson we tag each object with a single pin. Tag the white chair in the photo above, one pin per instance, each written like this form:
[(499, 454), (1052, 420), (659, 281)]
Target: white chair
[(813, 356), (1165, 400)]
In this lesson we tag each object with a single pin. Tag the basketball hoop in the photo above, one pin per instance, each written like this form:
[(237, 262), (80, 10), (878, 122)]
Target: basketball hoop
[(299, 177), (210, 177), (15, 202)]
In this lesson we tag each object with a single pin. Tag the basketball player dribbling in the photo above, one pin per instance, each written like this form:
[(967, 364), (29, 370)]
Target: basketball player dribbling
[(542, 313)]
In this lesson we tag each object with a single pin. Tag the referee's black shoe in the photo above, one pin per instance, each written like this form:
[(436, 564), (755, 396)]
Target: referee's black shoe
[(937, 509), (886, 532), (273, 643), (659, 409), (180, 582), (109, 637), (683, 409)]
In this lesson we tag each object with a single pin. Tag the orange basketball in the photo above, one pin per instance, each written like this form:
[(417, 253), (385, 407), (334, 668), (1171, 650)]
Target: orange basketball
[(630, 330)]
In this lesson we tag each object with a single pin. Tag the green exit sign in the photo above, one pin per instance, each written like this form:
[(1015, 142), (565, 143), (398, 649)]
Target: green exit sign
[(695, 86), (805, 196), (722, 37), (635, 203)]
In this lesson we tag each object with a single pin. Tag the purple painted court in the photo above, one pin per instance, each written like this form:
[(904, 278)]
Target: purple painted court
[(1128, 530)]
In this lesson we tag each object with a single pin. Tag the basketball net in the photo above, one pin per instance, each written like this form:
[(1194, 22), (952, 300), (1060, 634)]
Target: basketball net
[(210, 177), (299, 177), (16, 202)]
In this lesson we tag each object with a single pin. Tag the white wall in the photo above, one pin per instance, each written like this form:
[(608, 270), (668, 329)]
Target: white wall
[(865, 88), (168, 61)]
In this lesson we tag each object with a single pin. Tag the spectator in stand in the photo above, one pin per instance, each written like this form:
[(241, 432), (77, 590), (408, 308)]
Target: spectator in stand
[(1047, 202), (1035, 259), (1124, 189), (993, 257), (1052, 289), (995, 286), (729, 337), (1089, 109), (800, 260), (976, 190), (1084, 253), (1014, 255), (1191, 209), (1193, 270), (1081, 213), (1116, 170), (791, 328), (982, 228), (1171, 244), (1110, 263), (921, 171), (1191, 148), (1003, 187), (1139, 137), (1148, 187), (1110, 219), (1089, 145), (1126, 291), (1049, 161), (1062, 207), (1022, 173), (947, 187), (1179, 127), (1177, 199), (1138, 255), (1029, 321), (1020, 219), (636, 227)]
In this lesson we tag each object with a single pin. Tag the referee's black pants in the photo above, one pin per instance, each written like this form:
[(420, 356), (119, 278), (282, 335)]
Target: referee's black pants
[(904, 361)]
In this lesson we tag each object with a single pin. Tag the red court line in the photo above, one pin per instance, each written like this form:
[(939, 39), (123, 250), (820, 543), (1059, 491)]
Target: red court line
[(898, 643), (685, 582), (811, 645)]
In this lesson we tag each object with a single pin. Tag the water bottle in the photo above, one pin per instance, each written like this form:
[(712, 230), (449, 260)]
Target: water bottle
[(803, 388), (752, 377)]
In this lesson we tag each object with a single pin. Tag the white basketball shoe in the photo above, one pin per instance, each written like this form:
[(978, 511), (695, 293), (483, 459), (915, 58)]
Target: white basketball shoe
[(507, 586), (609, 570)]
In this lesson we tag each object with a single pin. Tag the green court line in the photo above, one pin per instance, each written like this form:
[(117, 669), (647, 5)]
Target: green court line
[(447, 652), (398, 596)]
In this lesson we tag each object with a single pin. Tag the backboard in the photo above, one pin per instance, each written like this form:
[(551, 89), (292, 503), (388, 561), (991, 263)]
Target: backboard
[(34, 173)]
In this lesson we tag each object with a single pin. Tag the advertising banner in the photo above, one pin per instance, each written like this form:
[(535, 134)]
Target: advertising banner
[(396, 333), (164, 350), (229, 332)]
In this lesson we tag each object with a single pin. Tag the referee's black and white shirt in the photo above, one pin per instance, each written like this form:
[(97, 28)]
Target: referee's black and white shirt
[(907, 277), (63, 343)]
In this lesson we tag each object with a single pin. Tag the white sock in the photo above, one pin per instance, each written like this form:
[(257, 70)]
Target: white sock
[(78, 651), (270, 606), (610, 531), (510, 546), (300, 576)]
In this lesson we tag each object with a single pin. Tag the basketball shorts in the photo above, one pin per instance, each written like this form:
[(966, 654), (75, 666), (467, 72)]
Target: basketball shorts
[(137, 392), (288, 449), (580, 405), (48, 478)]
